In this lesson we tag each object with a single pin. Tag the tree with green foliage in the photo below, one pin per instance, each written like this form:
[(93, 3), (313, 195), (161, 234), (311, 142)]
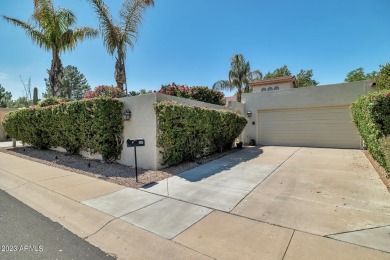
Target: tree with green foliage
[(74, 85), (383, 78), (117, 35), (240, 75), (22, 102), (5, 97), (2, 96), (8, 99), (278, 72), (52, 31), (359, 74), (304, 79)]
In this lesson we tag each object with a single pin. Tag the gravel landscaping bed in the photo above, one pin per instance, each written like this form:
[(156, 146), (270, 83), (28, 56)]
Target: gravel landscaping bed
[(112, 172)]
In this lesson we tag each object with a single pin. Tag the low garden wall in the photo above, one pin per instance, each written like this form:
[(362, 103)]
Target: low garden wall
[(95, 128), (144, 124)]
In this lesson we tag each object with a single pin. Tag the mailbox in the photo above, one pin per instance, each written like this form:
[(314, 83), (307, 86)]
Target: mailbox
[(135, 142)]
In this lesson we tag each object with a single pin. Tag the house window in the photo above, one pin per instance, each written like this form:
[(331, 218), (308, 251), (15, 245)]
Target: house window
[(263, 89), (270, 88), (276, 88)]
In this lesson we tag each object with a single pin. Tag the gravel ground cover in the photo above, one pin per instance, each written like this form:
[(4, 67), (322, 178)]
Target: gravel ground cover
[(379, 169), (112, 172)]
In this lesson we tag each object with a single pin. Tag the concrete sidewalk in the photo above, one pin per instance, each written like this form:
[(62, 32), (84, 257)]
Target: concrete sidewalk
[(229, 208)]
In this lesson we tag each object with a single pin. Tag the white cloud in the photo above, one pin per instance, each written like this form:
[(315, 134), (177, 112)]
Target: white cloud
[(3, 75)]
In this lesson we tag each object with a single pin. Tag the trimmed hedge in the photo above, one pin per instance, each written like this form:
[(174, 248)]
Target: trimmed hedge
[(187, 132), (371, 115), (198, 93), (94, 125)]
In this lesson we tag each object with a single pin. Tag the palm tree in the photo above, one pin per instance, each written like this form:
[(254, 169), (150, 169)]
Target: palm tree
[(116, 36), (240, 75), (53, 33)]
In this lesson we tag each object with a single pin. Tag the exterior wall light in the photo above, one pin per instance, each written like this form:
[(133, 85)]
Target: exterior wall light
[(127, 115), (249, 113)]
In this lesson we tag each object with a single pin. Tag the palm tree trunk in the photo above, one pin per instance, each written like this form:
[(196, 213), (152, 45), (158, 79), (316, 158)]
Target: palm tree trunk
[(120, 74), (55, 73), (239, 91)]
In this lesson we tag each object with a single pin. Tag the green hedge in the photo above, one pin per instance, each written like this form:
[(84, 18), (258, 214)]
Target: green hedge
[(371, 114), (93, 125), (186, 132)]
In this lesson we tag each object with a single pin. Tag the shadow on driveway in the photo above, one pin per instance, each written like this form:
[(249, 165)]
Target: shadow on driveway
[(222, 164)]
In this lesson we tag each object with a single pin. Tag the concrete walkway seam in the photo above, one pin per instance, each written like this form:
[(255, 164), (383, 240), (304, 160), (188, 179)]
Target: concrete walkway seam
[(289, 242), (192, 224), (363, 229), (351, 243), (313, 234)]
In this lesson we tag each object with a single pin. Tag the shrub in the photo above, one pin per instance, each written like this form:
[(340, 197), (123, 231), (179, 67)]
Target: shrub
[(29, 125), (371, 115), (384, 145), (105, 91), (52, 101), (383, 78), (186, 132), (203, 94), (94, 125)]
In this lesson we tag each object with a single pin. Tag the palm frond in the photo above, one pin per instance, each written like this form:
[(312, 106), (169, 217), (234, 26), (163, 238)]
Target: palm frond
[(44, 14), (37, 36), (131, 18), (66, 18), (221, 85), (110, 32), (149, 2), (255, 75), (70, 38)]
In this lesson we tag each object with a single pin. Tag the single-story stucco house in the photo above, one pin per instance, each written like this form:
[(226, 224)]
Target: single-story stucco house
[(315, 116)]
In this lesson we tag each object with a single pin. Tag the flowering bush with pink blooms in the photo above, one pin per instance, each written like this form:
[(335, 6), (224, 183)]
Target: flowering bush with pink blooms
[(105, 91), (198, 93)]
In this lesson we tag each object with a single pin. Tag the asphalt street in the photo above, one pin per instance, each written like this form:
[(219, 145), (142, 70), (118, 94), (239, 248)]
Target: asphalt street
[(27, 234)]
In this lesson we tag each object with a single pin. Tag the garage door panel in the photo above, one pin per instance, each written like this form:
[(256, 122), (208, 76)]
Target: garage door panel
[(314, 127)]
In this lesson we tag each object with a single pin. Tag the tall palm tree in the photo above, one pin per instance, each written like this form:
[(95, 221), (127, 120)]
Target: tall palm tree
[(52, 31), (240, 75), (116, 36)]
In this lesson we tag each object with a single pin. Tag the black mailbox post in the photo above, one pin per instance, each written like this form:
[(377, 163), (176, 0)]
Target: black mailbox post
[(134, 143)]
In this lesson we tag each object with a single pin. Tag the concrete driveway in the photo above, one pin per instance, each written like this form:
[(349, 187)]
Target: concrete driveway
[(258, 203), (331, 193), (290, 201)]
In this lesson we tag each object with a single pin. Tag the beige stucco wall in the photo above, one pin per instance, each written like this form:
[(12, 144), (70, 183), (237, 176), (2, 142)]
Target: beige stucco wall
[(282, 86), (143, 124), (3, 112), (320, 96)]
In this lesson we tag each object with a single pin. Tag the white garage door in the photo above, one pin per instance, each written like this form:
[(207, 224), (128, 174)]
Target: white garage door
[(312, 127)]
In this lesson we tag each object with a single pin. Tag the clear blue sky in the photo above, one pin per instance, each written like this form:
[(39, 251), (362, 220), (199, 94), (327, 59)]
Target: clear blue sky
[(191, 41)]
